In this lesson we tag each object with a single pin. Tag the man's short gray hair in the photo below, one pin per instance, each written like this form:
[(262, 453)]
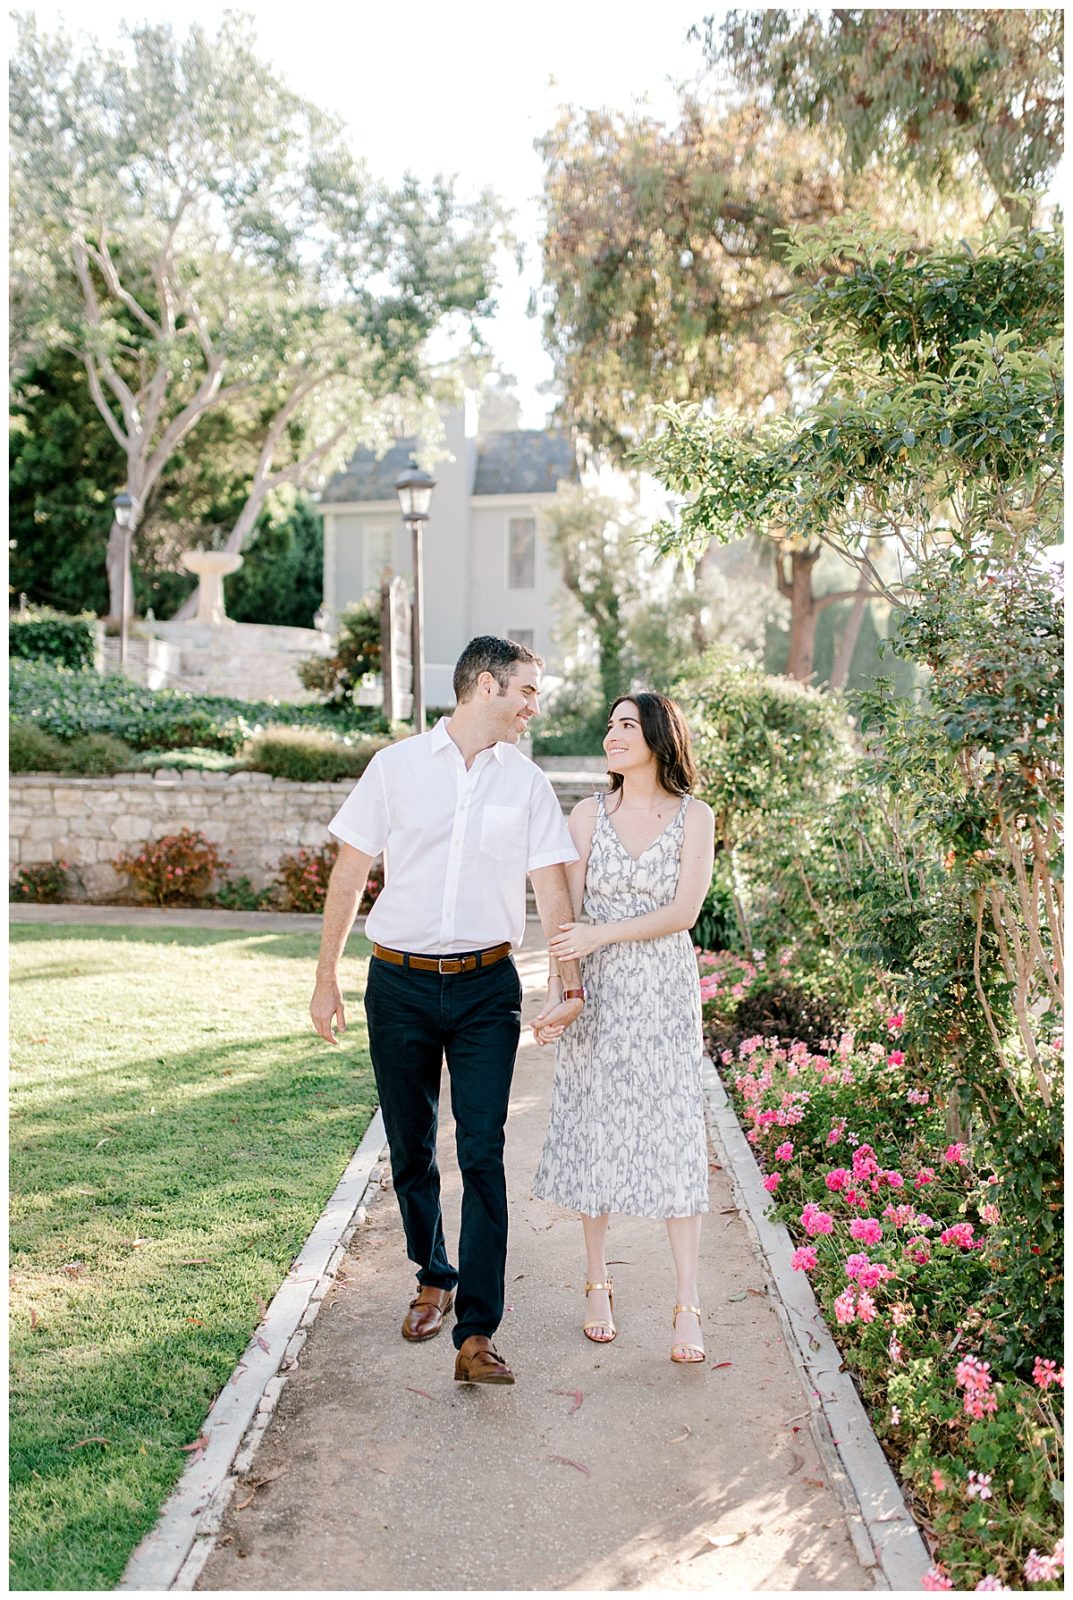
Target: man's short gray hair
[(486, 653)]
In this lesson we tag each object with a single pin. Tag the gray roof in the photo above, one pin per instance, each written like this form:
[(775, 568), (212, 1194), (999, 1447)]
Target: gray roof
[(516, 461)]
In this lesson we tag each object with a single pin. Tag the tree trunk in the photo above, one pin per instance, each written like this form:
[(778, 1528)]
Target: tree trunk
[(847, 644), (798, 590)]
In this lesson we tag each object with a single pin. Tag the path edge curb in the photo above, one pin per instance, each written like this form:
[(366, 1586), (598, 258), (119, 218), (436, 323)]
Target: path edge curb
[(881, 1526), (173, 1552)]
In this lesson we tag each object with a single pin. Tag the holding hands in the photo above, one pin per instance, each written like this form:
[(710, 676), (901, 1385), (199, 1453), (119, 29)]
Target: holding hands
[(576, 939)]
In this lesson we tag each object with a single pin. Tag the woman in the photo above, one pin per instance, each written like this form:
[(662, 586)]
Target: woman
[(627, 1127)]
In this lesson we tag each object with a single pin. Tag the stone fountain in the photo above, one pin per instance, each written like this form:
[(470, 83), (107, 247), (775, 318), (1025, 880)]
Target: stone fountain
[(211, 654)]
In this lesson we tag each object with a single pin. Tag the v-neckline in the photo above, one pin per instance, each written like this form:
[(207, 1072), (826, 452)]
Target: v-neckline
[(648, 847)]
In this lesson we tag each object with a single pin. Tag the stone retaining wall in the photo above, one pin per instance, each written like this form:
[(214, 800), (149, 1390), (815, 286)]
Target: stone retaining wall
[(254, 819)]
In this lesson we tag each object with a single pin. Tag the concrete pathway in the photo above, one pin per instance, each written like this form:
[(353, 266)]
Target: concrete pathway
[(603, 1468)]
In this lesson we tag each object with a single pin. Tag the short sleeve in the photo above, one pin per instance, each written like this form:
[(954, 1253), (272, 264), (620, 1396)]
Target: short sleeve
[(362, 819), (549, 836)]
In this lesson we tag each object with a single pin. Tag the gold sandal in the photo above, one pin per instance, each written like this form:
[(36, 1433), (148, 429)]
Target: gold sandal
[(696, 1351), (603, 1322)]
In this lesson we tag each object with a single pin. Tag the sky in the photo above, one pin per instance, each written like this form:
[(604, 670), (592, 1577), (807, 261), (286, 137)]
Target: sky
[(462, 89)]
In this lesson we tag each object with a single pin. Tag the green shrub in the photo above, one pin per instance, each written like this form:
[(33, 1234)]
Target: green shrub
[(31, 749), (41, 634), (309, 755), (67, 703), (194, 759), (43, 885), (357, 655), (175, 870), (238, 894)]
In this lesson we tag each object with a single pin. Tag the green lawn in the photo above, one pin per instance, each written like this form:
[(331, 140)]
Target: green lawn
[(176, 1129)]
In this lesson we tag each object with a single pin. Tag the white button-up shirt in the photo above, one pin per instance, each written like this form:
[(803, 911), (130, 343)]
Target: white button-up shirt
[(457, 844)]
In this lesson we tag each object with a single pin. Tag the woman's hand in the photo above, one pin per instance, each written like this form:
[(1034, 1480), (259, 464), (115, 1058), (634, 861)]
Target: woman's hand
[(575, 940)]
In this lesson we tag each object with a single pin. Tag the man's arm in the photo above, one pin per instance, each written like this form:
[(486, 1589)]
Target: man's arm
[(345, 888), (552, 891)]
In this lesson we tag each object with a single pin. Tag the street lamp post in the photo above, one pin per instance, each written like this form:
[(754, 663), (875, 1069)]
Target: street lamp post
[(414, 489), (124, 515)]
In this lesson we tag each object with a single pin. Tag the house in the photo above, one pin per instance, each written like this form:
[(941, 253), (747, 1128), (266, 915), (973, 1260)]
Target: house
[(487, 564)]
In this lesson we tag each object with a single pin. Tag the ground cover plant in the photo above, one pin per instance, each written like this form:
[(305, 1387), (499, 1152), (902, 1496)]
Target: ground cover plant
[(66, 703), (176, 1129), (913, 1244)]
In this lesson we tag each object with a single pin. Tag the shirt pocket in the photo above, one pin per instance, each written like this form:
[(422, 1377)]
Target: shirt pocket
[(504, 831)]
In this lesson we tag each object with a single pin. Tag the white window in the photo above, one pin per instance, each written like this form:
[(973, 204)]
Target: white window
[(522, 636), (521, 553), (377, 550)]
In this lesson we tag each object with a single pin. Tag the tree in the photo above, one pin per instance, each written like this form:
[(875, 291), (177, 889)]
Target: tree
[(200, 236), (936, 92), (590, 536)]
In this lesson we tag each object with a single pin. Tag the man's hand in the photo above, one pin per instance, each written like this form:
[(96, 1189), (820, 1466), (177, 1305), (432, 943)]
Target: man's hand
[(325, 1007), (554, 1016)]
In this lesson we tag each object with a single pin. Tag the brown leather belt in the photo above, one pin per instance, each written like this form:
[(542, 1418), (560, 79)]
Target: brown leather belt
[(443, 964)]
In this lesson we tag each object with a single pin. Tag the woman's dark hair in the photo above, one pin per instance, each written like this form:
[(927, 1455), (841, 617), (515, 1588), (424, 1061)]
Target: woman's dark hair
[(666, 733)]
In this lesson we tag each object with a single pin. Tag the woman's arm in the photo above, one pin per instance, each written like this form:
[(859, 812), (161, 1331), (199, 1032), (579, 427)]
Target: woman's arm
[(582, 823), (694, 881)]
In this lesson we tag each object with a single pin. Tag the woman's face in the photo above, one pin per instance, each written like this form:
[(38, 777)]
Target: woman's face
[(625, 745)]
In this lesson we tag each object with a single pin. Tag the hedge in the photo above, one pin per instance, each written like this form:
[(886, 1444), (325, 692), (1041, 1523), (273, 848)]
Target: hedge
[(310, 755), (91, 755), (41, 634)]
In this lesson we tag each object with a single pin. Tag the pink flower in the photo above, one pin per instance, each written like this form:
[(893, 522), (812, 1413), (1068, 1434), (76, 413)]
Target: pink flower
[(895, 1022), (895, 1351), (960, 1233), (979, 1484), (836, 1132), (936, 1577), (937, 1479), (771, 1182), (917, 1097), (1044, 1373), (855, 1264), (836, 1178), (845, 1306), (989, 1581), (785, 1151), (865, 1229), (1045, 1569), (814, 1221), (866, 1307), (873, 1274), (918, 1250), (804, 1259), (896, 1058), (925, 1175), (954, 1155)]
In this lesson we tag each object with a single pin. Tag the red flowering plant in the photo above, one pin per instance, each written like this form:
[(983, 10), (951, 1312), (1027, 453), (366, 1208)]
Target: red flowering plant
[(44, 884), (176, 870), (903, 1234), (304, 879)]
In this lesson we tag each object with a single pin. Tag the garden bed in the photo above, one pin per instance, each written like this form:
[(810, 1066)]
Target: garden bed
[(908, 1238)]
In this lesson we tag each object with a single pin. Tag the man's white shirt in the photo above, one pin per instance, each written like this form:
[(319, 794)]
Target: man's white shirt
[(457, 844)]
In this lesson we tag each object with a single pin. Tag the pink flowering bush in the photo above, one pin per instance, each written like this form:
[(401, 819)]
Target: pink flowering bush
[(176, 870), (904, 1236)]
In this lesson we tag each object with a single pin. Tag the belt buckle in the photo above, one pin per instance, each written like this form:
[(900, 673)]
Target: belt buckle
[(447, 966)]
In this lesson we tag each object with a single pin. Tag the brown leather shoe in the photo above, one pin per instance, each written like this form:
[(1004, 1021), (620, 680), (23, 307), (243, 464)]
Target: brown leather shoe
[(427, 1311), (479, 1362)]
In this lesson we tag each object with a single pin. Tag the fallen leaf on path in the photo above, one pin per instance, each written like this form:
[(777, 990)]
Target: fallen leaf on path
[(725, 1211), (235, 1375), (136, 1244), (740, 1296), (796, 1463), (713, 1166), (678, 1438), (565, 1461), (196, 1449), (892, 1516), (718, 1540), (813, 1344), (42, 1040), (815, 1483), (756, 1291), (263, 1343), (250, 1498), (422, 1392), (717, 1364), (73, 1269), (94, 1438), (571, 1394)]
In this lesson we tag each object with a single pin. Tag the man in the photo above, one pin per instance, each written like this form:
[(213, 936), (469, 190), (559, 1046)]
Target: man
[(461, 816)]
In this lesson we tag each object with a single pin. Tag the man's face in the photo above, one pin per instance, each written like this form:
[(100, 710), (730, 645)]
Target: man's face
[(514, 705)]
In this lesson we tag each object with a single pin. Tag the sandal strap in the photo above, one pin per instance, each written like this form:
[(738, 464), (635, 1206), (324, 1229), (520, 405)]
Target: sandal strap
[(599, 1324), (609, 1285), (696, 1312)]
